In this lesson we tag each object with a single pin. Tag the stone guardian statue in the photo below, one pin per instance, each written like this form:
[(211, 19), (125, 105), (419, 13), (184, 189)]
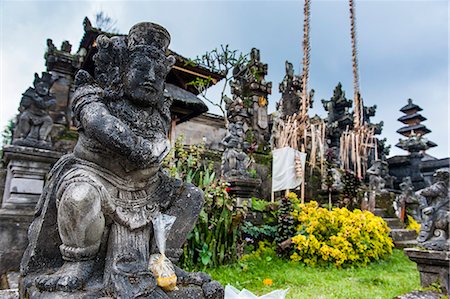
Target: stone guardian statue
[(34, 123), (434, 231), (93, 233)]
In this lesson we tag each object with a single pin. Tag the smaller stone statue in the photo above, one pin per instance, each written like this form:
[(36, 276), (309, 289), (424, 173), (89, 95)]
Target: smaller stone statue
[(377, 182), (407, 203), (434, 231), (34, 122), (290, 89), (339, 117), (405, 198), (250, 87), (236, 111), (235, 161)]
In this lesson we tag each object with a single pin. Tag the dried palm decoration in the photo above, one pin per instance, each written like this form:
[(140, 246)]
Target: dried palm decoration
[(299, 131), (356, 145)]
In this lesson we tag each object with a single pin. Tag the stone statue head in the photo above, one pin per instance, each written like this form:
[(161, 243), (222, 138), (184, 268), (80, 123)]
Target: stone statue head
[(406, 184), (254, 54), (289, 69), (135, 66), (43, 84), (442, 175)]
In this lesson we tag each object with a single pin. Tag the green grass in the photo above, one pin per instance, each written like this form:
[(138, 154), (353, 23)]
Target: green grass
[(383, 279)]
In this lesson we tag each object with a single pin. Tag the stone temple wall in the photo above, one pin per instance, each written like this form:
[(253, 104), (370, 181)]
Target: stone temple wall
[(208, 128)]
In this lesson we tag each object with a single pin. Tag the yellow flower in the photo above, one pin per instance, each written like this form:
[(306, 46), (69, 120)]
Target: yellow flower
[(267, 282)]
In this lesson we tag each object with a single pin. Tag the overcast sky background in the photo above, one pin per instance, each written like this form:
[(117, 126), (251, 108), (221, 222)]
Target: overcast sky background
[(403, 47)]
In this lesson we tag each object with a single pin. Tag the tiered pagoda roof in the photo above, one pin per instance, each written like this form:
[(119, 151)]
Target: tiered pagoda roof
[(413, 129)]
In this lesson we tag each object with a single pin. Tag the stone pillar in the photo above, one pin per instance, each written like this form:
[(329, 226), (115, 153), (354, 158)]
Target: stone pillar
[(25, 177), (433, 267), (26, 171), (244, 188)]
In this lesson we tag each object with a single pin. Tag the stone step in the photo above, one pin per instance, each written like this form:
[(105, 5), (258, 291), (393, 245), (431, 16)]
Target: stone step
[(9, 294), (402, 234), (393, 223), (380, 212), (405, 244)]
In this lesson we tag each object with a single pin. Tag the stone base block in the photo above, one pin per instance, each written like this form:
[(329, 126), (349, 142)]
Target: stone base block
[(433, 267), (420, 295), (9, 294), (243, 188), (208, 291), (26, 171), (13, 238)]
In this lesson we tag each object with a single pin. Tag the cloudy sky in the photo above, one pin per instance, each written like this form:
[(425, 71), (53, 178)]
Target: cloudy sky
[(403, 47)]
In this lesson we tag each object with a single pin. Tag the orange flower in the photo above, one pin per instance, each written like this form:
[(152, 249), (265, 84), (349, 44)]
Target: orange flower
[(267, 282)]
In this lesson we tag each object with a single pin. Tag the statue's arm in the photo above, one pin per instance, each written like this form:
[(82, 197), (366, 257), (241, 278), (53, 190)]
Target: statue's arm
[(98, 123), (431, 191)]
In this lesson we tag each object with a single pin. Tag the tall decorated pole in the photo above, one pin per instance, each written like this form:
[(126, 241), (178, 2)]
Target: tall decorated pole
[(306, 50), (305, 77), (358, 105)]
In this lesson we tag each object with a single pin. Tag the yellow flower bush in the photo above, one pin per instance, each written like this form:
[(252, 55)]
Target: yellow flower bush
[(412, 224), (339, 237)]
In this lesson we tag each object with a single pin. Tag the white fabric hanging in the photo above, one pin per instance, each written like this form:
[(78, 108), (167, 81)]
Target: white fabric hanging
[(233, 293), (284, 175)]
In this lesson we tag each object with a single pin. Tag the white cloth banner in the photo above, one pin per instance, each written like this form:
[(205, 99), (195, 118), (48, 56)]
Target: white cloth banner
[(233, 293), (284, 175)]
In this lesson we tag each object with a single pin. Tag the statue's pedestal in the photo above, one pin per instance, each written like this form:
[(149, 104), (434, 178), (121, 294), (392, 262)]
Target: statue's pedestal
[(433, 267), (243, 188), (26, 171), (25, 178)]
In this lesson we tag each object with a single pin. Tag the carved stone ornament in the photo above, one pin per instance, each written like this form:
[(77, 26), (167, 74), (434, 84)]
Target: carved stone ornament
[(434, 231), (92, 236), (34, 123), (235, 161)]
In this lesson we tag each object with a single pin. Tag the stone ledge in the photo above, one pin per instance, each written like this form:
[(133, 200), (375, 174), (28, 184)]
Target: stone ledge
[(9, 294), (428, 257), (433, 267), (420, 295), (27, 153)]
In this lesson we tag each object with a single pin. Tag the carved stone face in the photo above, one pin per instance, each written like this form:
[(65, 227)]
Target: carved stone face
[(42, 88), (144, 78)]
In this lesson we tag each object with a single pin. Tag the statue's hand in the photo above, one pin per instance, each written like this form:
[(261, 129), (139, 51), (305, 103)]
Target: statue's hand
[(160, 150), (148, 152)]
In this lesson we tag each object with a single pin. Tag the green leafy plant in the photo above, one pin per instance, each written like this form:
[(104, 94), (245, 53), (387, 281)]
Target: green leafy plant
[(349, 194), (259, 232), (286, 222), (253, 173), (221, 60), (259, 205), (7, 134), (214, 238)]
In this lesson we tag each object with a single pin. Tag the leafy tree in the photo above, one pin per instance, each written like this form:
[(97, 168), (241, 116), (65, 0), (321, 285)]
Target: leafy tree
[(222, 60), (7, 133), (105, 22)]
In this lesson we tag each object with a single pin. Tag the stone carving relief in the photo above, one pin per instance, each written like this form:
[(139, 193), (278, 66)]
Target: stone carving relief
[(34, 123)]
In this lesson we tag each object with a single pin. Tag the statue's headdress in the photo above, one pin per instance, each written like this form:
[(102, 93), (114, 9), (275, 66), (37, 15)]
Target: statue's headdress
[(114, 53), (148, 34), (45, 78)]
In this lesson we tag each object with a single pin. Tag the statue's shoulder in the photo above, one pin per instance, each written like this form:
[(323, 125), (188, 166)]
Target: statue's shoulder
[(87, 91)]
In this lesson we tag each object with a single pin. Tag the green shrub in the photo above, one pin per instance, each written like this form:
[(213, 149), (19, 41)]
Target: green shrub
[(339, 237), (286, 222), (215, 236)]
